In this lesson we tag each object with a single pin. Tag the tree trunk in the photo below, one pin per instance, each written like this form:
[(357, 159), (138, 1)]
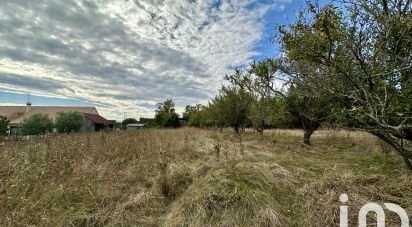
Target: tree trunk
[(262, 127), (236, 128), (399, 147), (309, 127), (306, 136), (260, 131), (408, 163)]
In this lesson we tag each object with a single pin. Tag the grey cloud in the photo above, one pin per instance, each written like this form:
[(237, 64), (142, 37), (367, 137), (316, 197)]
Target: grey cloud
[(92, 48), (75, 59), (29, 82)]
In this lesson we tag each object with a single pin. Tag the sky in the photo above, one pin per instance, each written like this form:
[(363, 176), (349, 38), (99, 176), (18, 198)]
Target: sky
[(124, 56)]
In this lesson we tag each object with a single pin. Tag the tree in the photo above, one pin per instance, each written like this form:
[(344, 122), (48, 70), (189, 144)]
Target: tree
[(127, 121), (36, 124), (67, 122), (217, 111), (196, 119), (4, 123), (310, 110), (256, 80), (189, 110), (273, 101), (363, 58), (166, 117), (196, 115), (230, 108)]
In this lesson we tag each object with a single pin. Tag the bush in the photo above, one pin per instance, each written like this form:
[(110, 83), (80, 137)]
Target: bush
[(69, 122), (4, 122), (36, 124)]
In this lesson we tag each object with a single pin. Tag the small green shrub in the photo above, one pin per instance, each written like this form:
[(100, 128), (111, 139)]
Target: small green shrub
[(67, 122), (37, 124)]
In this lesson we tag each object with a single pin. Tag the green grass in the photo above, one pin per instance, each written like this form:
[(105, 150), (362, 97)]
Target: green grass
[(174, 178)]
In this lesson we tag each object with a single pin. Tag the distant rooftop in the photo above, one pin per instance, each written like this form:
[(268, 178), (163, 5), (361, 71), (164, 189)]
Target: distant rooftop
[(16, 114)]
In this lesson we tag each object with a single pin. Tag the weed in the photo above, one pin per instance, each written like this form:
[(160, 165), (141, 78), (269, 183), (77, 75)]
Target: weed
[(170, 178)]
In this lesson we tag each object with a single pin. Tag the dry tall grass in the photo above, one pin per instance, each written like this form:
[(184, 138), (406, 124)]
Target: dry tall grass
[(192, 177)]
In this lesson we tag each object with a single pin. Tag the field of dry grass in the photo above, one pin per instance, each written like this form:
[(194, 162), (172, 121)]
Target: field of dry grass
[(193, 177)]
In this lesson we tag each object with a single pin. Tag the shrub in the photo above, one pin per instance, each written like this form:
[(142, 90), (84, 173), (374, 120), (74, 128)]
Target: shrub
[(36, 124), (69, 122), (4, 122)]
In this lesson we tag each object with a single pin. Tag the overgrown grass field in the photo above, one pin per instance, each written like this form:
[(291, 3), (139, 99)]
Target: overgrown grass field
[(194, 177)]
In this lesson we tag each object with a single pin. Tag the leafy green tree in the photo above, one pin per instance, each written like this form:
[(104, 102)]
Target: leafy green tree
[(310, 110), (166, 116), (202, 118), (196, 116), (189, 110), (4, 123), (127, 121), (257, 81), (217, 111), (36, 124), (230, 108), (363, 58), (67, 122), (272, 103)]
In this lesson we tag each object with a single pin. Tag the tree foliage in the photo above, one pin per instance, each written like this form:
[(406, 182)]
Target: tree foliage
[(166, 116), (362, 54), (67, 122), (190, 110), (311, 110), (257, 81), (197, 116), (277, 96), (36, 124), (4, 123), (230, 108)]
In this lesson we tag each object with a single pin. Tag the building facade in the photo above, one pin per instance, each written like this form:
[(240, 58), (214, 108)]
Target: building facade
[(16, 115)]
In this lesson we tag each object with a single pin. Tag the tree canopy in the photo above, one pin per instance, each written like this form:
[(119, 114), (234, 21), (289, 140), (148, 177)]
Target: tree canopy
[(37, 124), (166, 117), (361, 53), (67, 122), (4, 123)]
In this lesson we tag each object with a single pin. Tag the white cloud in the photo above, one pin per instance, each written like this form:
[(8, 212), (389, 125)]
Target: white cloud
[(127, 55)]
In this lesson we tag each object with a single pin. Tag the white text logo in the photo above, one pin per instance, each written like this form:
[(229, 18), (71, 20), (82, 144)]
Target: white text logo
[(375, 208)]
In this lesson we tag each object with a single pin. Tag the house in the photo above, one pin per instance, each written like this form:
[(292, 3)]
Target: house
[(95, 123), (16, 115)]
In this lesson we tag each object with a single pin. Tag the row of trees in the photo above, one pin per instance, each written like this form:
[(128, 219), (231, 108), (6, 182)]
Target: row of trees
[(349, 66), (37, 124)]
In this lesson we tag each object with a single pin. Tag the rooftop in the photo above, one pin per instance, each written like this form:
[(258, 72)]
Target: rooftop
[(16, 114)]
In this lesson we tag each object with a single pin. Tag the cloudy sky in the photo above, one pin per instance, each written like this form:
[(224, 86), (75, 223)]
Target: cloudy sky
[(124, 56)]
